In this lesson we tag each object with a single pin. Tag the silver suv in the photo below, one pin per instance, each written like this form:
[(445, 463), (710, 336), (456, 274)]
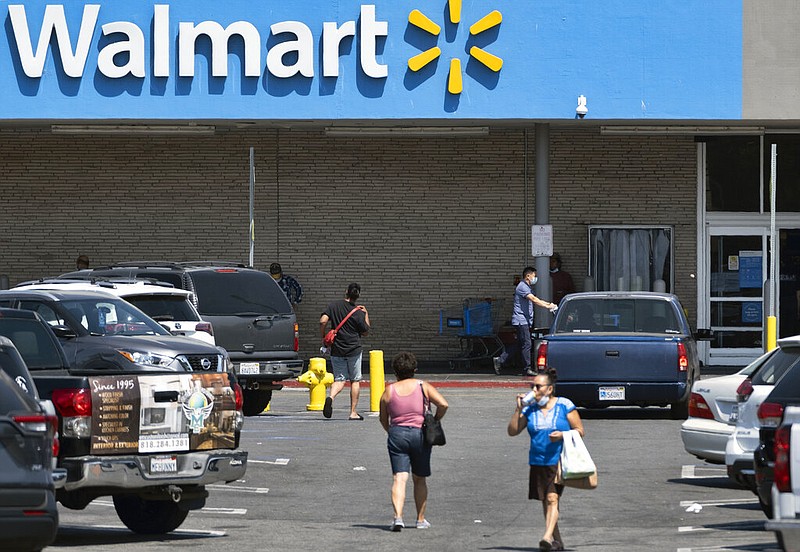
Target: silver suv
[(251, 316)]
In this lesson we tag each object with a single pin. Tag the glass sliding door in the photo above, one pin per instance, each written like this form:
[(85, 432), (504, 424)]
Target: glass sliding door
[(738, 267)]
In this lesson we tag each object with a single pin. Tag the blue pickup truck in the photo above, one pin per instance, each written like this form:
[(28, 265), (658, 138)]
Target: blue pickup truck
[(622, 348)]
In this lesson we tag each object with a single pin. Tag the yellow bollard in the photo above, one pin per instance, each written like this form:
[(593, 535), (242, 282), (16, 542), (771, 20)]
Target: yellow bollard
[(376, 380), (772, 331), (317, 378)]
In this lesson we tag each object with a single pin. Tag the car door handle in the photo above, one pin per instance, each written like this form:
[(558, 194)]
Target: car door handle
[(612, 353), (165, 396)]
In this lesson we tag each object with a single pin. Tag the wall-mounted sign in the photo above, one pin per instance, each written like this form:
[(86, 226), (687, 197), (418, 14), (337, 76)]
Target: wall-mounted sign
[(316, 59)]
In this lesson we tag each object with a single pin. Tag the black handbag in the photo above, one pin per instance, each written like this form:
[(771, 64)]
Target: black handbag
[(432, 432)]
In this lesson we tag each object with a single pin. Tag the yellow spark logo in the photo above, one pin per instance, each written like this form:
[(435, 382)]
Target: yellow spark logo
[(454, 80)]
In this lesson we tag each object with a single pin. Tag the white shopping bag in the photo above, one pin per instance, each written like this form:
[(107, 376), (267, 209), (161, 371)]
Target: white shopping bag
[(576, 462)]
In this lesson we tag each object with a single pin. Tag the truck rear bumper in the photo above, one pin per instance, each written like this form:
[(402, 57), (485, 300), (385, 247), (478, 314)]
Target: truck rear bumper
[(134, 471), (265, 372), (642, 394), (789, 529)]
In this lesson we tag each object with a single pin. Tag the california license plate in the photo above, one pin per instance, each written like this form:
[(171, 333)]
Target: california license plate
[(163, 464), (248, 368), (611, 393)]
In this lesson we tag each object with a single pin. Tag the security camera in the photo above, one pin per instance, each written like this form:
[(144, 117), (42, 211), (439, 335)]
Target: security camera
[(581, 110)]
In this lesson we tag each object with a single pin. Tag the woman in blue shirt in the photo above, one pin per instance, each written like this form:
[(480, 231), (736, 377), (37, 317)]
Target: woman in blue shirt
[(546, 418)]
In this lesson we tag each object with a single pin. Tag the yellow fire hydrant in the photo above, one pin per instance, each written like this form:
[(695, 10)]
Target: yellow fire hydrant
[(317, 378)]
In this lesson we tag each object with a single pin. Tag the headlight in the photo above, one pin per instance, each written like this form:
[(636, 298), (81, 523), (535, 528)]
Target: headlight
[(146, 359)]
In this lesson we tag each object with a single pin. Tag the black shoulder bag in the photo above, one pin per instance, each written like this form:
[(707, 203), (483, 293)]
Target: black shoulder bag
[(432, 432)]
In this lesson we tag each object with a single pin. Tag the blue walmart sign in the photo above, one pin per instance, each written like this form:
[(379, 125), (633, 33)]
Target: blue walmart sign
[(399, 59)]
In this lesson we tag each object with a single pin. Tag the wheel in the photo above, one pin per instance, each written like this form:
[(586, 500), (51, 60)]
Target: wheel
[(765, 507), (149, 517), (255, 402), (679, 410)]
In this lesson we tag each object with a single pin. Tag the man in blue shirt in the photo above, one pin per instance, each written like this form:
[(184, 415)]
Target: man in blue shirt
[(522, 319)]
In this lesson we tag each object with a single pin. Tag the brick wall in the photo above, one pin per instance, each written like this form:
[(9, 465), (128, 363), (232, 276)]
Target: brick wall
[(419, 223)]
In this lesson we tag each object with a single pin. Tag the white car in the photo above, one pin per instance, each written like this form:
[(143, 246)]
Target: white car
[(169, 306), (705, 432), (751, 393)]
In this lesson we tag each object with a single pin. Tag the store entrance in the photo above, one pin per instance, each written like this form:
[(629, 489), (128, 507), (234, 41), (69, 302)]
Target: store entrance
[(789, 294)]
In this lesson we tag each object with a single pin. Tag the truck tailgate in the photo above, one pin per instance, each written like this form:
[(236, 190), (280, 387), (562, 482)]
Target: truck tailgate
[(601, 358)]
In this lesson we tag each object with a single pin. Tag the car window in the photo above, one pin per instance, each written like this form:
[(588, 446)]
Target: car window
[(776, 366), (112, 317), (787, 388), (46, 312), (238, 292), (34, 342), (11, 363), (618, 315), (12, 397), (164, 308)]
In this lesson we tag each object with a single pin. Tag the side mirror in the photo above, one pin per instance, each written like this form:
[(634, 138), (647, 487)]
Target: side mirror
[(704, 334), (63, 332)]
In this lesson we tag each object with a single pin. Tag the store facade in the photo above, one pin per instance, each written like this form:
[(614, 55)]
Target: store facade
[(399, 145)]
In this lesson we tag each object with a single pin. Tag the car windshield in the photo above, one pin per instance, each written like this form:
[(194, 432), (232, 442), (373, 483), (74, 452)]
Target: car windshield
[(237, 292), (33, 341), (165, 308), (112, 317), (776, 366), (617, 315)]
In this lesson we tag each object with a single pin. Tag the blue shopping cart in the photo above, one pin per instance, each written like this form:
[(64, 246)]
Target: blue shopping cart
[(474, 323)]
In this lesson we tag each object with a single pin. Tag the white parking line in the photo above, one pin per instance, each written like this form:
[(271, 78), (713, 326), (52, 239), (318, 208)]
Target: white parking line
[(750, 526), (687, 503), (227, 511), (691, 472), (238, 489), (190, 532), (276, 462)]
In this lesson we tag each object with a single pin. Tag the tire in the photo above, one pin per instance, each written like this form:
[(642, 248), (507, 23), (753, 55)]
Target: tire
[(679, 410), (149, 517), (766, 508), (255, 402), (781, 543)]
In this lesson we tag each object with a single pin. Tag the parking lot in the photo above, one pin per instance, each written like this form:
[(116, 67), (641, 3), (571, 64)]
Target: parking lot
[(321, 484)]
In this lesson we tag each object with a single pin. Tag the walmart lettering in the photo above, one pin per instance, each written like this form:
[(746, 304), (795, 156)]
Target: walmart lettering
[(297, 45)]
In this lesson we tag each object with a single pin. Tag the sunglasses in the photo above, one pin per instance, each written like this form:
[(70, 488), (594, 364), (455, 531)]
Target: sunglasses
[(539, 385)]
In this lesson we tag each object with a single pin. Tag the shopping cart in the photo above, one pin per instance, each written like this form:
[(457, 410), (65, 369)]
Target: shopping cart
[(474, 323)]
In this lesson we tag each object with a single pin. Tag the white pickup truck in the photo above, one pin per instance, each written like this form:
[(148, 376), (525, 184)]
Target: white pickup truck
[(786, 488)]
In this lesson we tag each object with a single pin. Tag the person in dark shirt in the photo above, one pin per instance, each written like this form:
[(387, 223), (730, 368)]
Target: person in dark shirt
[(290, 286), (346, 348), (561, 279)]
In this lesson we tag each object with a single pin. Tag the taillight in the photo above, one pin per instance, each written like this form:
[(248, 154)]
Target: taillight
[(73, 402), (37, 422), (541, 356), (782, 472), (204, 327), (770, 414), (698, 407), (296, 337), (744, 390), (75, 407), (239, 395), (43, 423), (683, 360)]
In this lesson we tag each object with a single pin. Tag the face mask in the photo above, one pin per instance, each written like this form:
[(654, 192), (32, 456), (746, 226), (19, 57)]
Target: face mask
[(543, 401), (534, 280), (553, 270)]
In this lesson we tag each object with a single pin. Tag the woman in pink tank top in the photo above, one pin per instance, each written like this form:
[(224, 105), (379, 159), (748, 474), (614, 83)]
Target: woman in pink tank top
[(402, 407)]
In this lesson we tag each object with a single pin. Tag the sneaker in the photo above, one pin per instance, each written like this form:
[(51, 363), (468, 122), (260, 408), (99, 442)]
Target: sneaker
[(397, 525), (530, 373), (424, 524), (497, 365), (327, 409)]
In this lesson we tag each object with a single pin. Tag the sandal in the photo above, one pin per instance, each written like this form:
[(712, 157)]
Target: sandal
[(545, 545)]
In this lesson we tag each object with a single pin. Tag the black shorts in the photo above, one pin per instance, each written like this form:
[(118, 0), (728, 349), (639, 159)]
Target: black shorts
[(542, 481)]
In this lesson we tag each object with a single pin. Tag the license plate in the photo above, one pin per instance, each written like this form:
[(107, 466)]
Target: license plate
[(611, 393), (163, 464), (248, 368)]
